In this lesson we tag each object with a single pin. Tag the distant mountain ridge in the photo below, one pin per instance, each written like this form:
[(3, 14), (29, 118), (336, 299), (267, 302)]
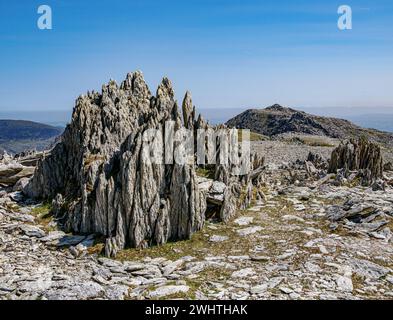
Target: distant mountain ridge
[(276, 120), (20, 135)]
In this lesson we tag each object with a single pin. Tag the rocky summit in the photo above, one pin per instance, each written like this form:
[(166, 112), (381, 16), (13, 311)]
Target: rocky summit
[(91, 219), (277, 120)]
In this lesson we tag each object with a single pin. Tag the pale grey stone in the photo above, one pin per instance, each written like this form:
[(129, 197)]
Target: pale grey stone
[(243, 273), (216, 238), (32, 231), (70, 240), (167, 291), (259, 289), (243, 221), (344, 284), (171, 267), (249, 231), (368, 269), (53, 236)]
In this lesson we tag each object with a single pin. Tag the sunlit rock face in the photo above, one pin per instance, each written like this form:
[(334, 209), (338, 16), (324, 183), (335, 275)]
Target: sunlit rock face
[(100, 180)]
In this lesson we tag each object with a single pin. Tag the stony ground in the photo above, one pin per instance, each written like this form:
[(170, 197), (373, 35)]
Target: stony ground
[(308, 239), (285, 247), (290, 147)]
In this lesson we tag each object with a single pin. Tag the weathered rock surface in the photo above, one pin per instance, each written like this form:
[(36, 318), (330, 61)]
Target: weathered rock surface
[(167, 291), (102, 179), (101, 168), (303, 233), (358, 155), (15, 171), (290, 249)]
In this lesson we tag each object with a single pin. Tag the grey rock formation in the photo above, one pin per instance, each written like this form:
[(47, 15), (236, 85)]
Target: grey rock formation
[(358, 155), (102, 180), (188, 111), (307, 240), (240, 188), (15, 171), (317, 160), (100, 170)]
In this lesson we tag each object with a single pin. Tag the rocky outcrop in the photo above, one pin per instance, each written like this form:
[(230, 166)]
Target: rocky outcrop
[(360, 155), (16, 171), (188, 111), (102, 179), (11, 174), (109, 187), (317, 160), (276, 120), (241, 189), (258, 248)]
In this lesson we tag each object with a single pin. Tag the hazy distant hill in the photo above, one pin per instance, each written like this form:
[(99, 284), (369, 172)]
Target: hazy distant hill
[(19, 135), (56, 118), (277, 120)]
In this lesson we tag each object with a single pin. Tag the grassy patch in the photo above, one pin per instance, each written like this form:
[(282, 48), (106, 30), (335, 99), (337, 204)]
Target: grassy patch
[(311, 141), (206, 172), (41, 210), (169, 250), (43, 216), (253, 136), (93, 158), (98, 245), (354, 183), (197, 246)]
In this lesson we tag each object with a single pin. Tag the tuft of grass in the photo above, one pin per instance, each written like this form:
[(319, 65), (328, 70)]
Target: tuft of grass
[(43, 215), (41, 210), (98, 246), (354, 183), (169, 250), (206, 172), (88, 161)]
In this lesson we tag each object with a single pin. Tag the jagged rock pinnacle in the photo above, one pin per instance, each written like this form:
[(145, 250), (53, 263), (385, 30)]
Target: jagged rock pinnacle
[(98, 168)]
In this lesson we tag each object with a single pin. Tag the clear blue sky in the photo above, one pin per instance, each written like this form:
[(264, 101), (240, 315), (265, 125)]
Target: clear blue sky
[(227, 53)]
